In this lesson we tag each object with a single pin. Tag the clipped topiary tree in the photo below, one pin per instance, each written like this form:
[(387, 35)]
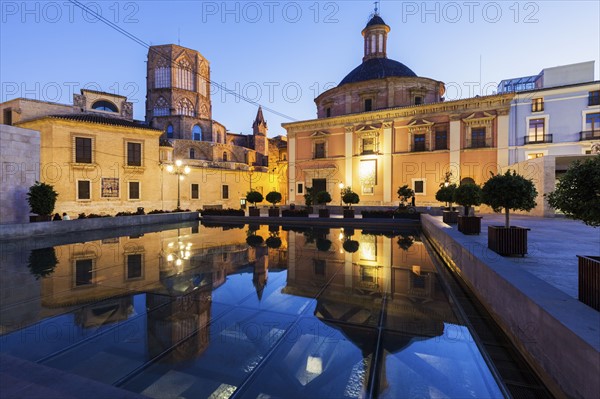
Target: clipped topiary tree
[(42, 262), (42, 199), (308, 197), (351, 246), (404, 194), (577, 192), (274, 198), (509, 191), (468, 195), (446, 194), (254, 197), (323, 198), (350, 197)]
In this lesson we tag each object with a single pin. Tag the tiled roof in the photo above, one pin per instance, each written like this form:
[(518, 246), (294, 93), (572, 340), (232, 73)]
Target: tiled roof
[(377, 68), (103, 120)]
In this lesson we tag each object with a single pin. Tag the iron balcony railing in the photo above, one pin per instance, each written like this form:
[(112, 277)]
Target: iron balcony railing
[(544, 138), (589, 135), (478, 143)]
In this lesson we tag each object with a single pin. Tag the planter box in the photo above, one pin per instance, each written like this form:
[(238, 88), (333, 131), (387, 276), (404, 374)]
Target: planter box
[(508, 241), (348, 213), (589, 281), (406, 215), (309, 209), (323, 213), (253, 212), (40, 218), (274, 212), (469, 224), (450, 217)]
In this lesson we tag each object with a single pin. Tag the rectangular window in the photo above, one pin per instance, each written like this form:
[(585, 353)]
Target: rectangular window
[(368, 274), (319, 267), (417, 281), (594, 98), (537, 105), (7, 116), (84, 189), (478, 137), (368, 105), (225, 191), (195, 191), (134, 190), (418, 100), (368, 145), (535, 155), (134, 154), (134, 266), (536, 130), (441, 140), (320, 150), (83, 150), (419, 186), (419, 142), (84, 269), (300, 188), (328, 112), (162, 78), (592, 122)]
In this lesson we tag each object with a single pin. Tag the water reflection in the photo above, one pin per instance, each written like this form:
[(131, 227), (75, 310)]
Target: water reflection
[(256, 310)]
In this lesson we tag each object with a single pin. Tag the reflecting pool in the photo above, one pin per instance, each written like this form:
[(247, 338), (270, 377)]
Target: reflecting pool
[(243, 311)]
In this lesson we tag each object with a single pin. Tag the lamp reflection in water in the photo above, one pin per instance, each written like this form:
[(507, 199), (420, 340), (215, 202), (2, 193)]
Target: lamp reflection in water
[(177, 253)]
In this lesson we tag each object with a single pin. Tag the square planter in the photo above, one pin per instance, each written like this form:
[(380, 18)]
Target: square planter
[(589, 281), (274, 212), (40, 218), (450, 217), (309, 209), (348, 213), (508, 241), (323, 213), (253, 211), (469, 224)]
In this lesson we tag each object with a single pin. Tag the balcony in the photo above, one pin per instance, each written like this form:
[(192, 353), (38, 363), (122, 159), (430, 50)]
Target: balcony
[(417, 147), (589, 135), (478, 143), (539, 139)]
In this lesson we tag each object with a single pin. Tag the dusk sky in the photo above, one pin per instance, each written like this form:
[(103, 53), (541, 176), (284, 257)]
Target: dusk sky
[(283, 54)]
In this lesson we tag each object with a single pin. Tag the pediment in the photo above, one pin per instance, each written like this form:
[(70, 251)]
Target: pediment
[(319, 134)]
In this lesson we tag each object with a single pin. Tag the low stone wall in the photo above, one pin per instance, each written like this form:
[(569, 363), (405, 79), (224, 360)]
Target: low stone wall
[(27, 230), (558, 334)]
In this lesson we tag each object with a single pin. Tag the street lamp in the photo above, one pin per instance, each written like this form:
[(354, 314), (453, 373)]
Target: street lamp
[(180, 172), (341, 186)]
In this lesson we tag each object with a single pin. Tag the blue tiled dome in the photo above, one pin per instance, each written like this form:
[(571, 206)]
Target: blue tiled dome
[(377, 68)]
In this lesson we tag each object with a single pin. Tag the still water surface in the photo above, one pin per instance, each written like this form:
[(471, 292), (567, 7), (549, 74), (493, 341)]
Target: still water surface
[(243, 311)]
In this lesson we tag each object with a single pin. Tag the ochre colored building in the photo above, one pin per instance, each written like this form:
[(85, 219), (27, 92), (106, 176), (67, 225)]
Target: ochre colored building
[(383, 127)]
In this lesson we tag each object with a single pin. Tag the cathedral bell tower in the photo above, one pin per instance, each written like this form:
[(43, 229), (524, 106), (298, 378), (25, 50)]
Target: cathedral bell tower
[(261, 142)]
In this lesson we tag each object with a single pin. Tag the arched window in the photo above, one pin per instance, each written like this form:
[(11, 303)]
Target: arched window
[(103, 105), (162, 74), (185, 107), (170, 131), (225, 156), (185, 78), (192, 153), (161, 107), (197, 133)]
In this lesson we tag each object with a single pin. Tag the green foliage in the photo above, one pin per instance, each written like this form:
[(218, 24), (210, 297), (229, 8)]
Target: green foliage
[(273, 242), (509, 191), (308, 196), (254, 197), (274, 197), (254, 240), (323, 198), (446, 194), (350, 197), (323, 244), (405, 193), (468, 195), (41, 262), (42, 198), (350, 246), (577, 193), (405, 241)]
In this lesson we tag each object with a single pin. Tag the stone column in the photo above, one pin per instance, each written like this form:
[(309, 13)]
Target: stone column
[(454, 145), (292, 169), (502, 134), (348, 154), (387, 162)]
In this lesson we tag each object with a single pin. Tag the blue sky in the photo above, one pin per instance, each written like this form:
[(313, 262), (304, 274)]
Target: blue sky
[(282, 54)]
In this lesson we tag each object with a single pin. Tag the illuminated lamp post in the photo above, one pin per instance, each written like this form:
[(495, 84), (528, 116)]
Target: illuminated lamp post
[(180, 171)]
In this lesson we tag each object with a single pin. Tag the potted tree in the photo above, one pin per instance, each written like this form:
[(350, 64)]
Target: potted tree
[(42, 262), (446, 194), (254, 197), (468, 195), (252, 238), (274, 198), (323, 198), (576, 195), (42, 199), (349, 197), (309, 199), (509, 191), (404, 194)]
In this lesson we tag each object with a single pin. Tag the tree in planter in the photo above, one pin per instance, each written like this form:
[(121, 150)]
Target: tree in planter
[(308, 197), (41, 262), (404, 194), (446, 194), (577, 192), (468, 195), (509, 191), (274, 198), (42, 199), (254, 197), (350, 197), (323, 198)]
